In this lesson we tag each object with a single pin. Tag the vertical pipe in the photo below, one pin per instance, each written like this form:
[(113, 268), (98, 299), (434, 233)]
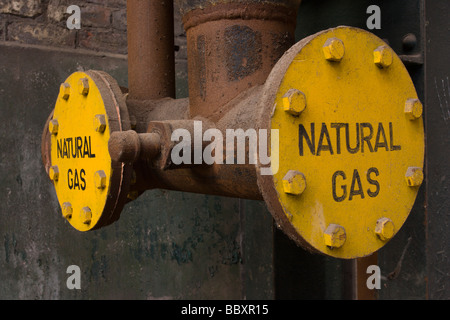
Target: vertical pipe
[(151, 63)]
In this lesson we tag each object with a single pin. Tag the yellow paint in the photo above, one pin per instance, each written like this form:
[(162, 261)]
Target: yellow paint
[(385, 229), (334, 236), (413, 109), (353, 91), (294, 182), (414, 176), (53, 126), (79, 149), (333, 49), (382, 56), (294, 102)]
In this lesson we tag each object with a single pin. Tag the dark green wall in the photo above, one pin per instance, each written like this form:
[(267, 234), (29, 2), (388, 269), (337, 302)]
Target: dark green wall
[(173, 245)]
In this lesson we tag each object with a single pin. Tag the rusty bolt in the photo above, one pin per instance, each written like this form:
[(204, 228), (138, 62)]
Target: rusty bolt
[(382, 56), (86, 215), (414, 176), (294, 102), (53, 126), (133, 195), (67, 210), (83, 86), (53, 173), (384, 229), (334, 236), (333, 49), (294, 182), (100, 179), (100, 123), (64, 91), (413, 109)]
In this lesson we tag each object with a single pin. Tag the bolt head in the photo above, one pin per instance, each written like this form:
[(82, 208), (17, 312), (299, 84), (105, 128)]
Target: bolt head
[(67, 210), (382, 56), (53, 126), (53, 173), (333, 49), (294, 182), (133, 195), (384, 229), (294, 102), (413, 109), (83, 86), (86, 215), (414, 176), (100, 123), (100, 179), (64, 91), (334, 236)]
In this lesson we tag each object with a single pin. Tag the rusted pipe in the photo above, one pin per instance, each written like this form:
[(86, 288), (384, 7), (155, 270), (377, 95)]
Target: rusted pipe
[(232, 46), (151, 64)]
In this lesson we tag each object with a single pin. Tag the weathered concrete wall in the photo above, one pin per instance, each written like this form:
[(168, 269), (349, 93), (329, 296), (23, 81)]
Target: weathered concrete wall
[(167, 245)]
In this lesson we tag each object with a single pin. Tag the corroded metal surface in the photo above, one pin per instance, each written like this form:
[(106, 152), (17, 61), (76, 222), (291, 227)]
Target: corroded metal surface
[(231, 48)]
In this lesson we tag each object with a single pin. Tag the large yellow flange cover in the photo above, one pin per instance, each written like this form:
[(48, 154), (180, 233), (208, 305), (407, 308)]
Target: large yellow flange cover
[(351, 143), (89, 185)]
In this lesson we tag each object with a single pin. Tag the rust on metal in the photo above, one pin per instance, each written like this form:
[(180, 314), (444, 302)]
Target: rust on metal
[(151, 64), (233, 47)]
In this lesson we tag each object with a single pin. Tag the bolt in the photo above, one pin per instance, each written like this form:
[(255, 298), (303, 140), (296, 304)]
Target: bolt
[(334, 236), (333, 49), (100, 179), (133, 195), (86, 215), (382, 56), (83, 86), (53, 126), (64, 91), (413, 109), (294, 182), (67, 210), (414, 176), (409, 42), (53, 173), (294, 102), (384, 229), (100, 123)]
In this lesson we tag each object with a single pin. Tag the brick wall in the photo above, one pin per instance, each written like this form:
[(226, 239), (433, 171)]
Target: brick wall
[(43, 22)]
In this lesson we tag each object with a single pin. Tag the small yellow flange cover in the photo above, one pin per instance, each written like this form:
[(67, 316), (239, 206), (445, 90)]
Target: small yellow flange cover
[(355, 142), (88, 109)]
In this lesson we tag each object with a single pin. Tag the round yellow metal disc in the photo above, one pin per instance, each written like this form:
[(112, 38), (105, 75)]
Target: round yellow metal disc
[(354, 143), (87, 110)]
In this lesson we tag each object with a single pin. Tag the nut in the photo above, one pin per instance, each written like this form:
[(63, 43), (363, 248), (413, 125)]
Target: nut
[(334, 236), (413, 109), (83, 86), (100, 179), (64, 91), (294, 182), (294, 102), (53, 173), (384, 229), (86, 215), (382, 56), (414, 176), (67, 210), (100, 123), (333, 49), (53, 126)]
